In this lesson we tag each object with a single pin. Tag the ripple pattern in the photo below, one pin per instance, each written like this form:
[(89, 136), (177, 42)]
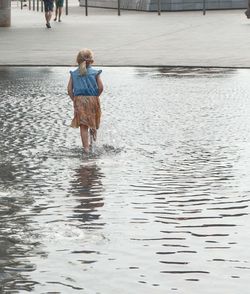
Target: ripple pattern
[(160, 206)]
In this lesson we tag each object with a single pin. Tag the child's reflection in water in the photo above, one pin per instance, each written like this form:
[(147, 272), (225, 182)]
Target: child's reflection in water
[(87, 187)]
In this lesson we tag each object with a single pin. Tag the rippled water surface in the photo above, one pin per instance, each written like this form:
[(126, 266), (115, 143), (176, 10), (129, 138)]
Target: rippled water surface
[(162, 204)]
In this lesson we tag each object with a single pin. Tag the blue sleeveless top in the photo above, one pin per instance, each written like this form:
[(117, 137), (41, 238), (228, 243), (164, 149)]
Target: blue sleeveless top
[(85, 85)]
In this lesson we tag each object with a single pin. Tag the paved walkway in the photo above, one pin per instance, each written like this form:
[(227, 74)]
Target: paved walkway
[(220, 38)]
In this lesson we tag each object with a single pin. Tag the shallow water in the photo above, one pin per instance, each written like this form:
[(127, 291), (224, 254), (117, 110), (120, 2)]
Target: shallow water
[(162, 204)]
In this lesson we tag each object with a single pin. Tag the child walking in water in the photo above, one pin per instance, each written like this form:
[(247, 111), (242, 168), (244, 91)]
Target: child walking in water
[(84, 88)]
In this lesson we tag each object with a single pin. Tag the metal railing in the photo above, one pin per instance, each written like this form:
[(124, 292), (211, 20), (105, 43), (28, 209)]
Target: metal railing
[(159, 7), (39, 5)]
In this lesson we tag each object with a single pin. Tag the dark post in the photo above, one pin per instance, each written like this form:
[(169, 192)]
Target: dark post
[(204, 7), (21, 4), (159, 7), (67, 7), (37, 5), (34, 4), (119, 7), (5, 21), (86, 7), (41, 5)]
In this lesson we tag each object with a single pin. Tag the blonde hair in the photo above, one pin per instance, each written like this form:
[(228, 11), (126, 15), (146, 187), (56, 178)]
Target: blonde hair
[(84, 58)]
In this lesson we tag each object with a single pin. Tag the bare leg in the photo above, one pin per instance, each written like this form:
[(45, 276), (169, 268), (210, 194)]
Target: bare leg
[(60, 13), (247, 12), (56, 14), (48, 16), (85, 137), (93, 134)]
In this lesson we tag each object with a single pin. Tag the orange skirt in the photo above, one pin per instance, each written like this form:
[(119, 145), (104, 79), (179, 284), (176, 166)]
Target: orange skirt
[(87, 111)]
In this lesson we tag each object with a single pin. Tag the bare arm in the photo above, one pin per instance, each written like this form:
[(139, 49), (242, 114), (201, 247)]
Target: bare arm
[(99, 84), (70, 89)]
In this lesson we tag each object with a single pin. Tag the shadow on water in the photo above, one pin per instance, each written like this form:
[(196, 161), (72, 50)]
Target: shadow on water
[(186, 72)]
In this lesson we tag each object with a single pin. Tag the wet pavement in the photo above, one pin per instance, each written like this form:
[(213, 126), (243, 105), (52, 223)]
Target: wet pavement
[(160, 206), (136, 38)]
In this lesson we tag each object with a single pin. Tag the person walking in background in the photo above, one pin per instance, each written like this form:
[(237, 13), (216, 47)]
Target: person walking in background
[(84, 88), (59, 7), (48, 8), (247, 12)]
